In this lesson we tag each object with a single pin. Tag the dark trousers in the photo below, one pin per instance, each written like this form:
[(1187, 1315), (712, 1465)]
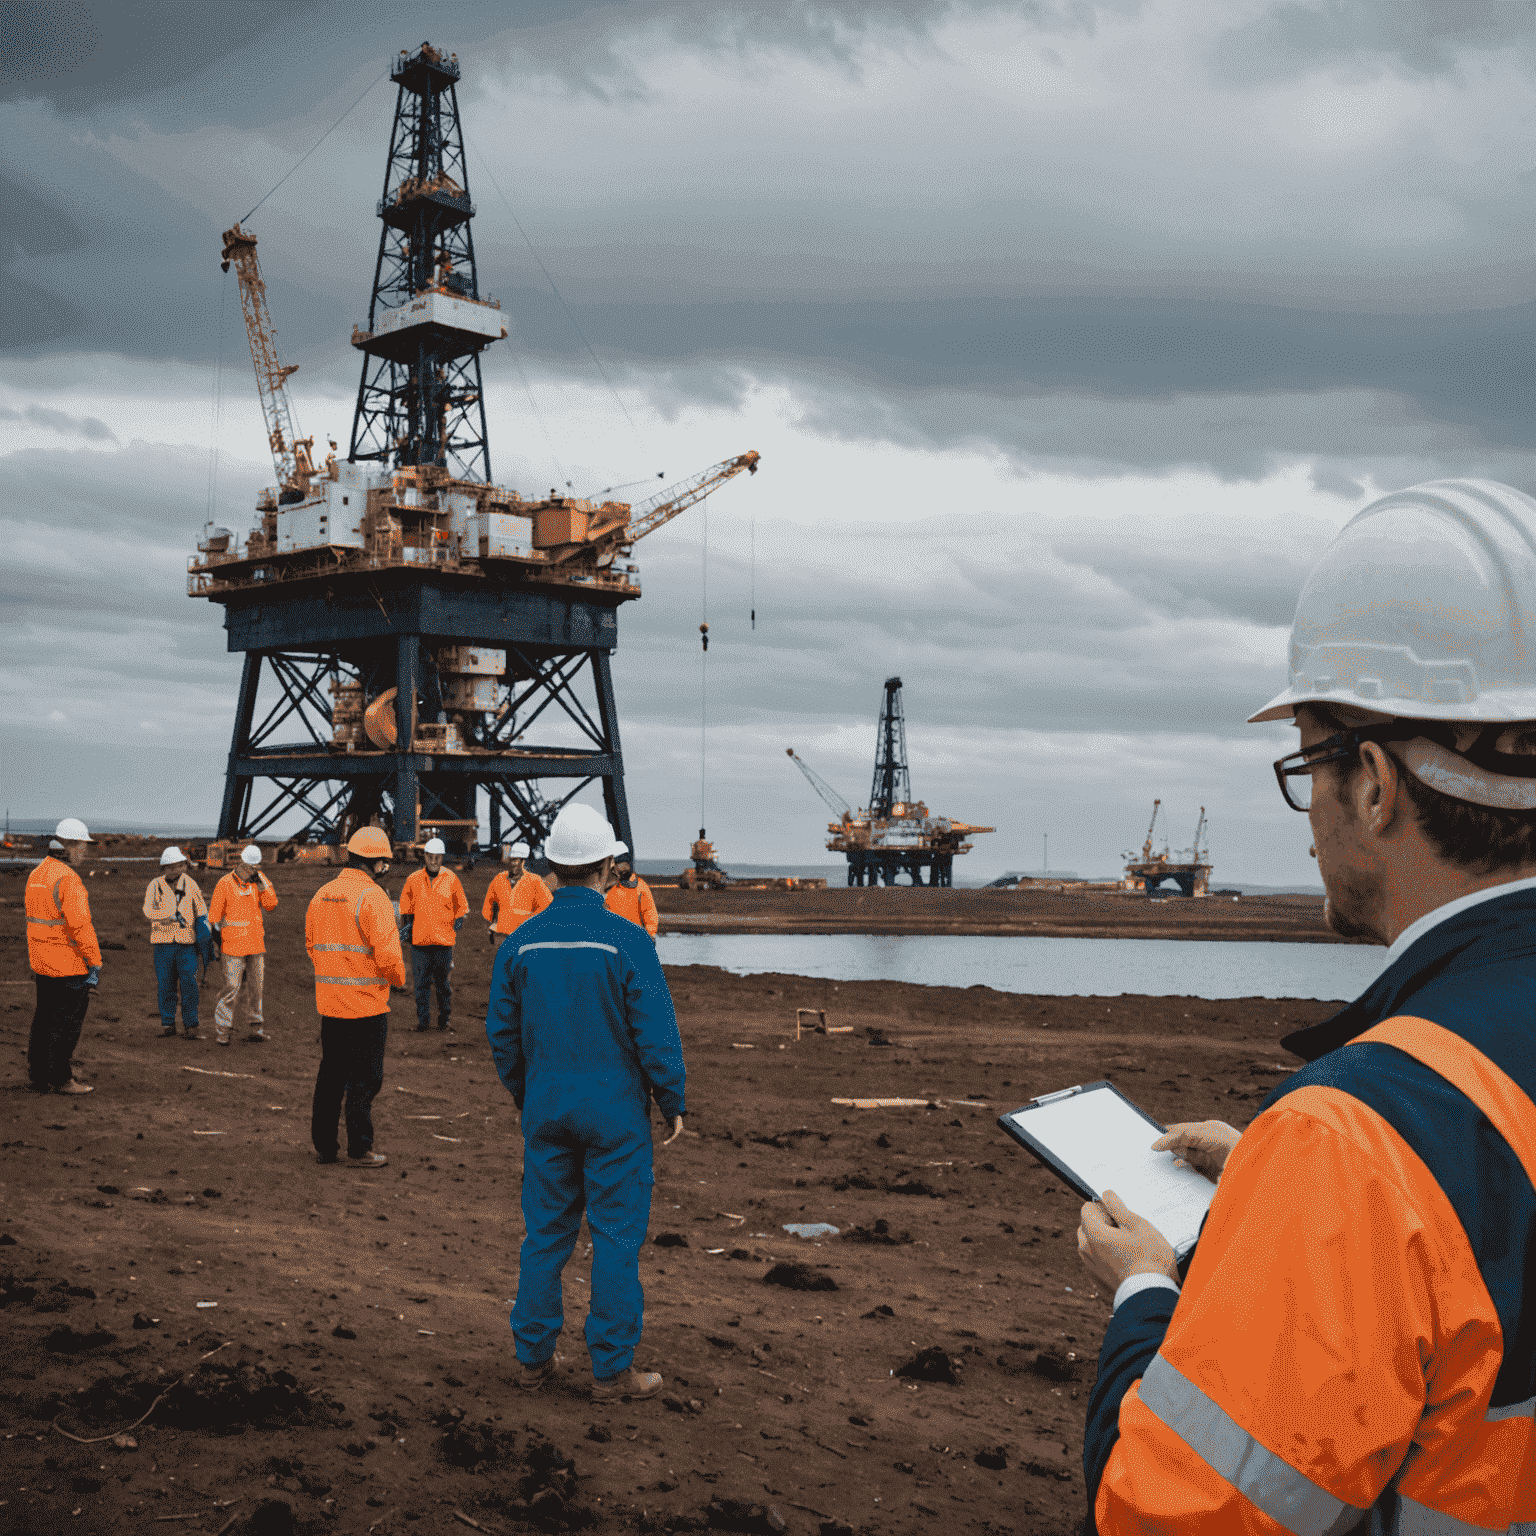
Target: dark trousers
[(351, 1067), (61, 1005), (176, 970), (432, 966)]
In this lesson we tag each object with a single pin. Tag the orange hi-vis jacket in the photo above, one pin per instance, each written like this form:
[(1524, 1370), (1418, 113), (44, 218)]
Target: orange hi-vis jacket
[(173, 910), (60, 938), (235, 914), (635, 902), (1354, 1347), (351, 937), (506, 906), (436, 903)]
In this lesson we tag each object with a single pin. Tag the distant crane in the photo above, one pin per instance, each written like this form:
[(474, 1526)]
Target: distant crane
[(1146, 847), (290, 452), (1191, 875), (1194, 852), (834, 801)]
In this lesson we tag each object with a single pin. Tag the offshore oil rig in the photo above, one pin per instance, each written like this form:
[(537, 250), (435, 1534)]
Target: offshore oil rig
[(405, 621), (1192, 875), (895, 833)]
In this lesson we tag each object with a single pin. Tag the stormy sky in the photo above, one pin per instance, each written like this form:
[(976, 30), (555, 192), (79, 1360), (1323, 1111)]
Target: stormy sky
[(1069, 333)]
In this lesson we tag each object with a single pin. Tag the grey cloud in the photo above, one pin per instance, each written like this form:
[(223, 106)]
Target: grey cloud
[(61, 422), (1416, 37)]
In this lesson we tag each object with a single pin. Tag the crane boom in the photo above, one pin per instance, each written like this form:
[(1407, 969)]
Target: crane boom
[(665, 505), (1146, 847), (835, 801), (290, 453)]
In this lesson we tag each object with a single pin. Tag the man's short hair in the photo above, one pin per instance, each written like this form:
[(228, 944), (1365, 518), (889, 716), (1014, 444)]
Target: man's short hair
[(1474, 838), (571, 872)]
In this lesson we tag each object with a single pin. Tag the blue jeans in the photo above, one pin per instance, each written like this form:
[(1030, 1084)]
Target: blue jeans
[(583, 1161), (176, 966), (432, 965)]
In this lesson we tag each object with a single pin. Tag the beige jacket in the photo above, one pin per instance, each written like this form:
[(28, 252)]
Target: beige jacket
[(173, 910)]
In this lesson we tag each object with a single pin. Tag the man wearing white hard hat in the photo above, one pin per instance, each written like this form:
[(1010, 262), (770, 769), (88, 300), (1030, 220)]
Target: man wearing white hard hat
[(234, 914), (583, 1031), (1354, 1344), (173, 903), (514, 895), (433, 907), (65, 958)]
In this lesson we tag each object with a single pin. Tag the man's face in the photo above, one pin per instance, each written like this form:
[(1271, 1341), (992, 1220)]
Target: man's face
[(1350, 873), (515, 868), (174, 872), (624, 874), (244, 872), (75, 853), (433, 861), (380, 868)]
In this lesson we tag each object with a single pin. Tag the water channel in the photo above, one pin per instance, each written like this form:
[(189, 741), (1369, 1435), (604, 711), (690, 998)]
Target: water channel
[(1045, 967)]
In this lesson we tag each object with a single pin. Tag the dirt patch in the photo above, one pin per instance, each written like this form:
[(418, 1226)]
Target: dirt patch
[(360, 1308)]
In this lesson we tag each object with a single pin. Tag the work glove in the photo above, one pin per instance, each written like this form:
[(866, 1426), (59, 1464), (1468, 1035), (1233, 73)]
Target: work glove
[(93, 975), (458, 923)]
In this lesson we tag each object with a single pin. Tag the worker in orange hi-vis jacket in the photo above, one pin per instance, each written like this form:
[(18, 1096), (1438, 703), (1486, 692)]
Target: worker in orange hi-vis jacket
[(1350, 1346), (514, 895), (64, 956), (234, 914), (629, 896), (433, 907), (352, 939)]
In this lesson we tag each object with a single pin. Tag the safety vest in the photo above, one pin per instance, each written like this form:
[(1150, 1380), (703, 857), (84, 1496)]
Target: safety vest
[(1355, 1344), (634, 902), (435, 904), (173, 910), (235, 914), (351, 936), (513, 905), (60, 938)]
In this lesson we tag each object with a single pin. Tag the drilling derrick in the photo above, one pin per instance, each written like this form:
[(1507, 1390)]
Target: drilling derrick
[(406, 624)]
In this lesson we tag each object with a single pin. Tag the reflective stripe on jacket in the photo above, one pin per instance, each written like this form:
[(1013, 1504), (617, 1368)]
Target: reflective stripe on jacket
[(436, 904), (173, 911), (507, 906), (350, 933), (60, 938), (1355, 1344), (580, 1011), (235, 914), (635, 902)]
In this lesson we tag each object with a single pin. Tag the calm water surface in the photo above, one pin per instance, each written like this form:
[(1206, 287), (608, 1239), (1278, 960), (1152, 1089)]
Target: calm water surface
[(1048, 967)]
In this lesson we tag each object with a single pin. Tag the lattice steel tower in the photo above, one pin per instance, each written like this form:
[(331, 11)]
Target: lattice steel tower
[(892, 785), (420, 399)]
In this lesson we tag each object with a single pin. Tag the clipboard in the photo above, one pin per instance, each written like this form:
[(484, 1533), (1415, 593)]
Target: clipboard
[(1088, 1137)]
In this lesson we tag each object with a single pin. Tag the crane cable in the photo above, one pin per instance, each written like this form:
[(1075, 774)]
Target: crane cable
[(704, 672), (217, 410)]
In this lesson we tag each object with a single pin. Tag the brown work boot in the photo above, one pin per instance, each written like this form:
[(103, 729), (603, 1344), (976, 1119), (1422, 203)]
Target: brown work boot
[(630, 1385), (73, 1087), (367, 1160), (531, 1377)]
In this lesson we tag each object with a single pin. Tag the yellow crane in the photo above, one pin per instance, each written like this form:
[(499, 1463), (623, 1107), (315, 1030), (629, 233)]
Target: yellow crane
[(290, 452)]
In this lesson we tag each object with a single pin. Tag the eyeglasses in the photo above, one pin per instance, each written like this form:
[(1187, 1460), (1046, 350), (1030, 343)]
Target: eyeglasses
[(1293, 772)]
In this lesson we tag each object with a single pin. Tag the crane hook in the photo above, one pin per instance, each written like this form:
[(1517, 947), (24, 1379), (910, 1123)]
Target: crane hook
[(704, 634)]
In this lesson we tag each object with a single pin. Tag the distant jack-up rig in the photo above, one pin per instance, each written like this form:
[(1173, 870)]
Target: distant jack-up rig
[(405, 621)]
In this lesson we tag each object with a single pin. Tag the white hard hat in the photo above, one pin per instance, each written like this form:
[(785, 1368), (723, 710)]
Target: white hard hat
[(72, 830), (436, 845), (250, 854), (1424, 608), (580, 835), (173, 855), (517, 850), (620, 848)]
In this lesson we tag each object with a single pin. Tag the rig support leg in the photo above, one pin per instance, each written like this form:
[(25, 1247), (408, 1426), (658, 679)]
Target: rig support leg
[(237, 786)]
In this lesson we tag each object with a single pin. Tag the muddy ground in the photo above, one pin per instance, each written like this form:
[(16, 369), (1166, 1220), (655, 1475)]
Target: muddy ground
[(354, 1371)]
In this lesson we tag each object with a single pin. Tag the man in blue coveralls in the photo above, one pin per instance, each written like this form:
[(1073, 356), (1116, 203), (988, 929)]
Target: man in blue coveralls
[(583, 1031)]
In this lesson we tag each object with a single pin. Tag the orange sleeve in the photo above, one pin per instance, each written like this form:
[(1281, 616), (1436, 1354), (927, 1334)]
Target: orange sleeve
[(75, 908), (268, 896), (376, 923), (493, 896), (408, 894), (1298, 1349), (217, 906), (460, 904), (649, 918)]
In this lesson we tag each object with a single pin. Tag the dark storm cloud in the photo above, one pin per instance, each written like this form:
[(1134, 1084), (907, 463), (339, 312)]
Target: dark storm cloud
[(1417, 37), (61, 422)]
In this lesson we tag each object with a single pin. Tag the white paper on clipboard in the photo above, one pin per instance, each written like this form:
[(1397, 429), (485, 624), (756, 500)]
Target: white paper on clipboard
[(1108, 1146)]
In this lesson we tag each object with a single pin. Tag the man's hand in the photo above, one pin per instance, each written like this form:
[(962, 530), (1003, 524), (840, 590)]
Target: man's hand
[(1115, 1243), (458, 923), (490, 935), (1203, 1144), (93, 976), (677, 1130)]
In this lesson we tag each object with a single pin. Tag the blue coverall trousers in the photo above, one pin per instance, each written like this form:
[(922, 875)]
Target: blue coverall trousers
[(432, 966), (587, 1159), (176, 967)]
